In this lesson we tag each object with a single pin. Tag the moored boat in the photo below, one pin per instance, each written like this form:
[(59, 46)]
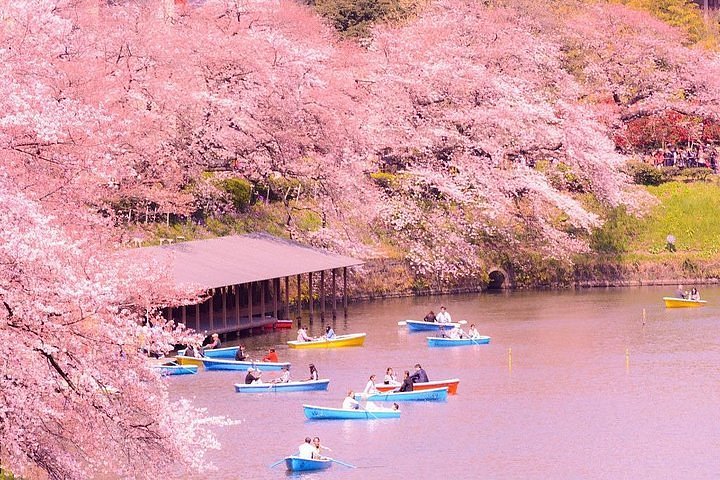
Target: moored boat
[(422, 326), (184, 360), (321, 384), (176, 369), (298, 464), (674, 302), (456, 342), (279, 324), (221, 364), (326, 413), (431, 394), (349, 340), (451, 384), (223, 352)]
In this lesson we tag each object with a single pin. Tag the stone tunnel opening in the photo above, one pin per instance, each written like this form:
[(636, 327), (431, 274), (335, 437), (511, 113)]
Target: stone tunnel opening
[(497, 280)]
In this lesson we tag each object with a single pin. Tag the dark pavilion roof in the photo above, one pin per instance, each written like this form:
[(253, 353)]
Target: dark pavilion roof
[(223, 261)]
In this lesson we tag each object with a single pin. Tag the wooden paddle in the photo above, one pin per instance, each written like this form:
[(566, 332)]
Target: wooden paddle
[(402, 323)]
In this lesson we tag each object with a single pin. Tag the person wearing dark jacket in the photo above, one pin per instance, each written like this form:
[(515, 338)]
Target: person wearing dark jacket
[(407, 384), (419, 376)]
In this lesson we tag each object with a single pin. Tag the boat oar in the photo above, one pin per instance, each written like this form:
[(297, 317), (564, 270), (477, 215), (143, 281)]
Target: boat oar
[(277, 463), (341, 463), (402, 323), (463, 322)]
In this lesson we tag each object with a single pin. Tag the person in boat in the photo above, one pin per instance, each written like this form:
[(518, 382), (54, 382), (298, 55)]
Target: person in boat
[(284, 376), (430, 317), (195, 351), (442, 332), (317, 454), (306, 449), (407, 384), (390, 378), (457, 333), (472, 332), (214, 342), (443, 316), (240, 354), (370, 387), (350, 403), (302, 335), (314, 375), (680, 293), (694, 294), (271, 356), (419, 376), (253, 376), (329, 333)]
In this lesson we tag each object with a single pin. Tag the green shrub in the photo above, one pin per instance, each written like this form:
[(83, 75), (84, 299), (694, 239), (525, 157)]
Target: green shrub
[(644, 174), (240, 190)]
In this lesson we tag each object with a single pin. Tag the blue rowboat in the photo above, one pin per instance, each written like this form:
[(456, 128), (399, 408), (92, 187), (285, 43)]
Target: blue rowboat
[(325, 413), (321, 384), (456, 342), (297, 464), (224, 352), (420, 326), (432, 394), (221, 364), (176, 369)]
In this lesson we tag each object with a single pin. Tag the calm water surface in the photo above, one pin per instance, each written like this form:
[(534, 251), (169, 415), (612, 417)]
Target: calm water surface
[(591, 392)]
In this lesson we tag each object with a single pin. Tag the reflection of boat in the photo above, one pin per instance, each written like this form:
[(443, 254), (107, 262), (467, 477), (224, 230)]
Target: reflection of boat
[(297, 464), (430, 394), (321, 384), (224, 352), (220, 364), (176, 369), (456, 342), (350, 340), (326, 413), (451, 384), (421, 326), (673, 302)]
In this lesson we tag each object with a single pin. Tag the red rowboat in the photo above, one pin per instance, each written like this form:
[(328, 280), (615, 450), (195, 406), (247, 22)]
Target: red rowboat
[(452, 385)]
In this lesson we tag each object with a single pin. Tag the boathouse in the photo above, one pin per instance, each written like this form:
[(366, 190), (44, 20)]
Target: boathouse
[(250, 281)]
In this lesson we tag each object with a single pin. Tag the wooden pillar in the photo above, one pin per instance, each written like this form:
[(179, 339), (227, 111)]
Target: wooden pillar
[(237, 305), (211, 310), (322, 295), (311, 302), (250, 300), (184, 315), (287, 298), (276, 292), (345, 300), (224, 306), (262, 299), (334, 293), (197, 317), (298, 298)]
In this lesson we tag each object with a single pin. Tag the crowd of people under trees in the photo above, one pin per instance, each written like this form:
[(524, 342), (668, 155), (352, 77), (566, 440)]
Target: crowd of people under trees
[(692, 156)]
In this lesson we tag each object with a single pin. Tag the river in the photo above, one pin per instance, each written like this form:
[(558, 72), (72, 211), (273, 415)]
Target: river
[(574, 384)]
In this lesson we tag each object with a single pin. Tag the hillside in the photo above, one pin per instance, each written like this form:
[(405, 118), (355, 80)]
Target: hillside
[(441, 139)]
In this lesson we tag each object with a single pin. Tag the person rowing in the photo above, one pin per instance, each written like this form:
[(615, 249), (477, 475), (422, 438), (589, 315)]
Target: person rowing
[(350, 403), (370, 387)]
